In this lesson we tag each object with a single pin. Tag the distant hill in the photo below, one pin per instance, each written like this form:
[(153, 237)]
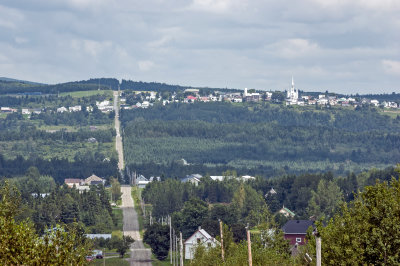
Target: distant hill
[(20, 81)]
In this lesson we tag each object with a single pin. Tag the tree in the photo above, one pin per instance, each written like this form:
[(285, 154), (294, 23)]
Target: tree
[(325, 200), (365, 231), (115, 189), (192, 215), (157, 236), (20, 245), (123, 245), (278, 96)]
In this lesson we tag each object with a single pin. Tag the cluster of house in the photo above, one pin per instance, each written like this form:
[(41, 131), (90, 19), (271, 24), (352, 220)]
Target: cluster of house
[(292, 98), (84, 184), (141, 181), (104, 106), (196, 178), (295, 232)]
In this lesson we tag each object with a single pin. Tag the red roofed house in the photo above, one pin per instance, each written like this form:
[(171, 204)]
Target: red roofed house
[(73, 181), (190, 99), (295, 231)]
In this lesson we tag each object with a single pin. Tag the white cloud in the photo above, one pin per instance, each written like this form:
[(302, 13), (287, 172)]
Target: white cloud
[(145, 65), (21, 40), (91, 47), (10, 17), (391, 66), (293, 48)]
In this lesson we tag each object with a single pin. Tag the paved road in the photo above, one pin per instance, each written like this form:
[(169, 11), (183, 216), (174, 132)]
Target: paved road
[(140, 256), (118, 139)]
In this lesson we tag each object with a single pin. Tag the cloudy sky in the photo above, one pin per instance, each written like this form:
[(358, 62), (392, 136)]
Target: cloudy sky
[(336, 45)]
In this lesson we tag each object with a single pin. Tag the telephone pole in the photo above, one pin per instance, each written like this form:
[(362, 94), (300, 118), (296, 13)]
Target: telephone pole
[(222, 240), (318, 246), (170, 238), (249, 246), (181, 248)]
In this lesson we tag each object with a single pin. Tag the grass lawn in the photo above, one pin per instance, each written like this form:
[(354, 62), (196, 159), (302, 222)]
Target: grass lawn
[(118, 214), (79, 94), (112, 261), (136, 199)]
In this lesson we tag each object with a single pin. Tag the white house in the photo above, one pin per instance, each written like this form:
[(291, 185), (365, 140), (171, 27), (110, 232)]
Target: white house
[(62, 109), (76, 108), (193, 178), (247, 177), (375, 103), (26, 112), (200, 237)]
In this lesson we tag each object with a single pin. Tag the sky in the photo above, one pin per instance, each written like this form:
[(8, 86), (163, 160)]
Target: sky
[(336, 45)]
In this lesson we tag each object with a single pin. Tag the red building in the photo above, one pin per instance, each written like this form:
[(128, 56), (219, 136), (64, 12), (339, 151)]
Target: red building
[(295, 231)]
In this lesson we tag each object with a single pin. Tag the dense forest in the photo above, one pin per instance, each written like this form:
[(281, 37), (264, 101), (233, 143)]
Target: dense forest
[(351, 201), (259, 139), (83, 166), (62, 205)]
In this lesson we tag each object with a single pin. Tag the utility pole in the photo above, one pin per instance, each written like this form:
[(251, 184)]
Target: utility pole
[(222, 240), (173, 246), (249, 245), (181, 248), (170, 238), (176, 250), (318, 246), (104, 257)]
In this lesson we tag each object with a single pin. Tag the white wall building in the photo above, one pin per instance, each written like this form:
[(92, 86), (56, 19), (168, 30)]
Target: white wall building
[(293, 93), (200, 237)]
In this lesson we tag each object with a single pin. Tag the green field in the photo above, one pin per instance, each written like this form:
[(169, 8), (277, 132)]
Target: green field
[(80, 94)]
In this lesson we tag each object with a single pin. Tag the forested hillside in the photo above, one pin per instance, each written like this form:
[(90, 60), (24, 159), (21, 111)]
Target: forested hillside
[(259, 139)]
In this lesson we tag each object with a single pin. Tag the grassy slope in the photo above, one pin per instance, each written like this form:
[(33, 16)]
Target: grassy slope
[(79, 94)]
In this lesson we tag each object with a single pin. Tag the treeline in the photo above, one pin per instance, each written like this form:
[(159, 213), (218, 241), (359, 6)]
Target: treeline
[(266, 139), (12, 87), (30, 132), (364, 119), (80, 118), (162, 87), (296, 192), (63, 205), (83, 166)]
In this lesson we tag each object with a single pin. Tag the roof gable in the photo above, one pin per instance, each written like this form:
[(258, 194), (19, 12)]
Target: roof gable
[(297, 226)]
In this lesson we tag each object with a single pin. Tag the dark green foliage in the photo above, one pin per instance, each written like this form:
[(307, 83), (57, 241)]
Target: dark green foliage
[(258, 139), (83, 166), (7, 87), (66, 205), (157, 237), (123, 245), (192, 215), (365, 231)]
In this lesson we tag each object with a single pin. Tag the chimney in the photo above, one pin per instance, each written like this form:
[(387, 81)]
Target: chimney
[(199, 228)]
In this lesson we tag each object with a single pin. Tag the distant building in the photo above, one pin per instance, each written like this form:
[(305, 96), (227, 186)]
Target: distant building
[(247, 177), (295, 231), (94, 180), (292, 95), (71, 182), (200, 237), (286, 212), (26, 112), (193, 178)]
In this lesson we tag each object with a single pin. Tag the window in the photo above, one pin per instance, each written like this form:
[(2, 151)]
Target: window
[(298, 239), (198, 240), (209, 244)]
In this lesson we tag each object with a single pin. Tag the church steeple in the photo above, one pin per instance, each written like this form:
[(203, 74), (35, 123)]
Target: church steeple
[(292, 82)]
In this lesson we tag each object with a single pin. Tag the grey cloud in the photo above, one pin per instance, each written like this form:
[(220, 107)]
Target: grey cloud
[(335, 45)]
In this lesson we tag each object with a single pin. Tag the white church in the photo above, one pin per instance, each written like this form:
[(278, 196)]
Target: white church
[(292, 95)]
